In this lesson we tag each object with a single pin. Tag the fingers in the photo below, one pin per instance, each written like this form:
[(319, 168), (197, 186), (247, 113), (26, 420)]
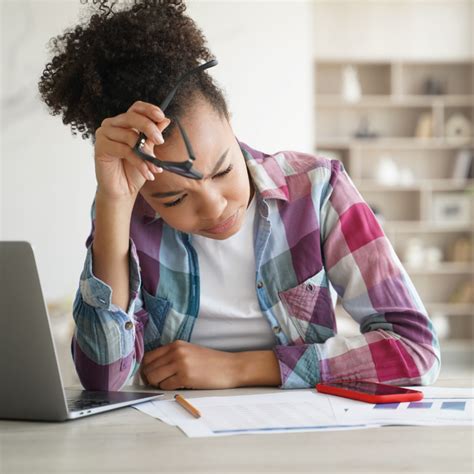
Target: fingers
[(161, 363), (153, 112), (142, 123), (171, 383), (147, 118), (150, 110), (157, 364), (124, 129), (126, 136), (158, 375), (149, 367), (124, 151), (130, 137), (154, 354)]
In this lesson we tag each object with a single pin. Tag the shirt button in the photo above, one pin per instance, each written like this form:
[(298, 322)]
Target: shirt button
[(260, 284), (128, 325), (310, 287), (276, 329)]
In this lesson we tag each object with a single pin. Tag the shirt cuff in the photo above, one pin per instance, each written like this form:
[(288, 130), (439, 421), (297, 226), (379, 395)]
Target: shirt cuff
[(299, 365), (98, 294)]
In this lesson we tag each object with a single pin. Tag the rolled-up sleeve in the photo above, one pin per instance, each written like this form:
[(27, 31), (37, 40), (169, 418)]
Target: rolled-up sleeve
[(107, 345), (397, 343)]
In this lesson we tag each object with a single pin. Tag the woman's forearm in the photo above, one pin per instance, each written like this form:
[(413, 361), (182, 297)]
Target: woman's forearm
[(257, 368), (110, 247)]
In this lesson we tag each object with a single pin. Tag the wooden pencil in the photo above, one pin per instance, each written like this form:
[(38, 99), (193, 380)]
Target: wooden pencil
[(187, 406)]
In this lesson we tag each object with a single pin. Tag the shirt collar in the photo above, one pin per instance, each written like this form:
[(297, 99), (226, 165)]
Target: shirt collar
[(267, 175)]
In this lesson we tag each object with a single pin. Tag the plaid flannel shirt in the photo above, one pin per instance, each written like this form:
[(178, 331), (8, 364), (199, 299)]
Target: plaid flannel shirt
[(314, 232)]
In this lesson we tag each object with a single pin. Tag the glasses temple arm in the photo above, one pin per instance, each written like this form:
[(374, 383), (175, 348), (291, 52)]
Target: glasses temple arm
[(169, 97), (187, 143)]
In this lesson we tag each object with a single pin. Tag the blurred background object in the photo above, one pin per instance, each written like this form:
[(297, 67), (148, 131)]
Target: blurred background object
[(397, 108), (386, 87)]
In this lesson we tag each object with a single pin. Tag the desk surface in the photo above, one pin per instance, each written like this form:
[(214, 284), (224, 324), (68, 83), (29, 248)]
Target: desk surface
[(127, 440)]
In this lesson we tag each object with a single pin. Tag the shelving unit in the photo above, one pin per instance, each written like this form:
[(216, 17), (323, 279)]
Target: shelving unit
[(390, 105)]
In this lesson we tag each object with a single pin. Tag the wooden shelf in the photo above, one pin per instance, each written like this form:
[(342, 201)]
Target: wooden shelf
[(405, 61), (456, 345), (419, 185), (450, 309), (424, 226), (443, 268), (333, 100), (394, 143)]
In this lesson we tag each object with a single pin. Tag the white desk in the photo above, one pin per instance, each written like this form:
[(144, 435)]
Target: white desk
[(127, 440)]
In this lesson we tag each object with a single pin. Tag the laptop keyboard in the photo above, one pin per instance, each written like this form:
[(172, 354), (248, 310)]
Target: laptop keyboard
[(77, 404)]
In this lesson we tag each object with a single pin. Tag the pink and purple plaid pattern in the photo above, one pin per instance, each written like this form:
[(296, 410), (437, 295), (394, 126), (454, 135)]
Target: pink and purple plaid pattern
[(314, 233)]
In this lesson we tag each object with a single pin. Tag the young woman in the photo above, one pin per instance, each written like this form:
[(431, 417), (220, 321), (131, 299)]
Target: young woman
[(223, 280)]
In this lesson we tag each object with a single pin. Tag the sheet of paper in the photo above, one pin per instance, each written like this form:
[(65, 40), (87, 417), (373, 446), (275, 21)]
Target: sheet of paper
[(245, 414), (439, 406), (309, 410)]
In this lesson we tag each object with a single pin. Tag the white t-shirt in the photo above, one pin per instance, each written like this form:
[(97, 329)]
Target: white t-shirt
[(230, 318)]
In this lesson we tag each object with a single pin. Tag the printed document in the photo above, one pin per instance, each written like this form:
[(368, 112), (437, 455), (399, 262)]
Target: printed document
[(309, 410)]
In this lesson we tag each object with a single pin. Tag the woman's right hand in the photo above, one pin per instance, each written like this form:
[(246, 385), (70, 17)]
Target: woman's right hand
[(120, 173)]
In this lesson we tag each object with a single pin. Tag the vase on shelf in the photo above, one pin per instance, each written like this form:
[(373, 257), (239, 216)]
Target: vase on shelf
[(351, 89), (387, 172)]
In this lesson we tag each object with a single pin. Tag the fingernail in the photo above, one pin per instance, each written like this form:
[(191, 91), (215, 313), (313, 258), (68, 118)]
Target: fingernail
[(158, 138), (151, 176), (157, 170)]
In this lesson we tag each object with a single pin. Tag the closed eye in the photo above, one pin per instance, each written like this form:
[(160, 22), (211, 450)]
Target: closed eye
[(218, 175)]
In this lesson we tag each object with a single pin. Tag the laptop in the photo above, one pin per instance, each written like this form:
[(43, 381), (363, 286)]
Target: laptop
[(31, 387)]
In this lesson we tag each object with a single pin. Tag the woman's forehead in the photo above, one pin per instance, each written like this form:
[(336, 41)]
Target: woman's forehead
[(208, 164), (208, 140)]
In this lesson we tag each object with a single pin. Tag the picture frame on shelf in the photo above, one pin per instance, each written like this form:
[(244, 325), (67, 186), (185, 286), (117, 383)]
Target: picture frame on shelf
[(451, 208)]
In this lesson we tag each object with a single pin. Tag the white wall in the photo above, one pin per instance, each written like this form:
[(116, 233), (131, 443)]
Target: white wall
[(403, 29), (265, 51), (48, 181)]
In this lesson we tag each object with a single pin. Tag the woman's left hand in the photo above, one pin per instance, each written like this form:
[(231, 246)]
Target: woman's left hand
[(181, 364)]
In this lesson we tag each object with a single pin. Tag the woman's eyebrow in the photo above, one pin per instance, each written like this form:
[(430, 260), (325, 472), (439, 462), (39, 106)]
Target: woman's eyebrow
[(174, 193)]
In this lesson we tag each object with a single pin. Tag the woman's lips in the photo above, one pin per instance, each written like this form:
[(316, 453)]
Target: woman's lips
[(224, 226)]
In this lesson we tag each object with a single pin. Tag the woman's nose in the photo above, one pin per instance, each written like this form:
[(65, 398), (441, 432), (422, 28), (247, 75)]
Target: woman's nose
[(212, 206)]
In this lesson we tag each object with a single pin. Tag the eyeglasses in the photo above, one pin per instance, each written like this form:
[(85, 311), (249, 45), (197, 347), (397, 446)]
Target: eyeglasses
[(184, 168)]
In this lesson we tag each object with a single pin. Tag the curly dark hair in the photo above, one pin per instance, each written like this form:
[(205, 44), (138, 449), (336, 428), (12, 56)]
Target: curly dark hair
[(116, 57)]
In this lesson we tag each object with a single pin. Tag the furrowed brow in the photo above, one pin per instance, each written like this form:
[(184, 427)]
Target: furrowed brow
[(174, 193)]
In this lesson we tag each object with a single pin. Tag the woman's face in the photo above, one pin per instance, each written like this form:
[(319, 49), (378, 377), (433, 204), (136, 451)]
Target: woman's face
[(221, 197)]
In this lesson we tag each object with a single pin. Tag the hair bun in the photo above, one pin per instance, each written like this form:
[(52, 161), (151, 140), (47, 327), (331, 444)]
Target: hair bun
[(123, 53)]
